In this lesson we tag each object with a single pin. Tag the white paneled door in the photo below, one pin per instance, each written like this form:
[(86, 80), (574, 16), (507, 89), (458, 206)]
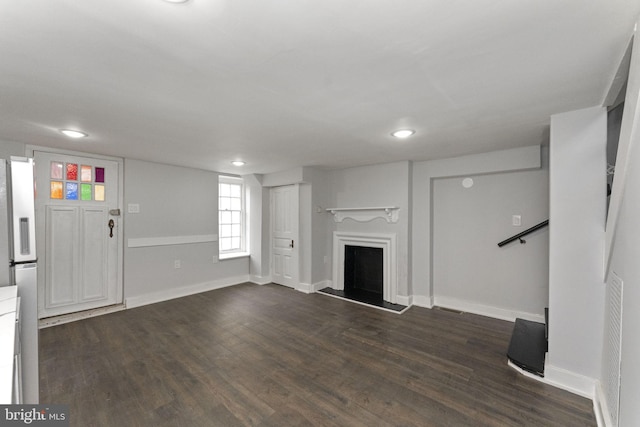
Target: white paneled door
[(78, 230), (284, 235)]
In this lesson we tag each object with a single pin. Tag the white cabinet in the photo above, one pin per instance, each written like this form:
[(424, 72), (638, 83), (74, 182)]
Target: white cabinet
[(10, 364)]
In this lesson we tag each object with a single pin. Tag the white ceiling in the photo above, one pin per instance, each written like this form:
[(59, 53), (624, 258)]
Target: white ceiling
[(286, 83)]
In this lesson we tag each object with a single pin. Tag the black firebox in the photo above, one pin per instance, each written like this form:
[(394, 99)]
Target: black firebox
[(363, 271)]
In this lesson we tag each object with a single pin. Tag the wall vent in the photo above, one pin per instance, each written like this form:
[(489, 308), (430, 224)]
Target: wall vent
[(612, 352)]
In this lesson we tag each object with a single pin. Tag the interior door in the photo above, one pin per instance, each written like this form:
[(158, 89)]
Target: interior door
[(284, 235), (77, 229)]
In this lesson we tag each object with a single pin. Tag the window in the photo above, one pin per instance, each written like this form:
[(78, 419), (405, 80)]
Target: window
[(231, 216)]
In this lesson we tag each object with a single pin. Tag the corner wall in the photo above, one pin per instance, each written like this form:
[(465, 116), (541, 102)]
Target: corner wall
[(378, 185), (470, 271), (576, 241), (258, 211), (623, 237), (313, 194), (625, 264), (424, 173), (8, 149), (178, 220)]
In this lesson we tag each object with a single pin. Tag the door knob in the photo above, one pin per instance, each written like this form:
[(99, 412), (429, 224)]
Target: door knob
[(111, 225)]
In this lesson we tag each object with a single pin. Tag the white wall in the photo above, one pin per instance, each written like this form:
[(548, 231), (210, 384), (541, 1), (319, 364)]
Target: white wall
[(174, 202), (8, 149), (424, 173), (305, 244), (312, 247), (576, 241), (623, 236), (469, 269), (379, 185), (322, 227), (258, 212), (625, 263)]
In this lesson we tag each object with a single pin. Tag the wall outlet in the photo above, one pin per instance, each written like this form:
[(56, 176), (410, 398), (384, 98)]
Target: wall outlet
[(516, 220), (177, 264), (215, 259)]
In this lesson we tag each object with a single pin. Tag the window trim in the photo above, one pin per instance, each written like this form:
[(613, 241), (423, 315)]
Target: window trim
[(243, 250)]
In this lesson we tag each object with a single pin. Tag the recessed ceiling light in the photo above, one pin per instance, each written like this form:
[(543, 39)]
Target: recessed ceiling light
[(238, 163), (74, 133), (403, 133)]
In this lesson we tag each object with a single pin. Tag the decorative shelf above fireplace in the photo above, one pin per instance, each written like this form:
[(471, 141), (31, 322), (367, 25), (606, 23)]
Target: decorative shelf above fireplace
[(388, 213)]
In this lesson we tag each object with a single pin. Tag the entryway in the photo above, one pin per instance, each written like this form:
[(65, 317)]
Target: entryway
[(78, 230)]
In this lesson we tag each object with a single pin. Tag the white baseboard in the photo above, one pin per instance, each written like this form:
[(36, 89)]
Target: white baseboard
[(403, 300), (422, 301), (313, 287), (570, 381), (304, 288), (486, 310), (600, 408), (154, 297), (260, 280)]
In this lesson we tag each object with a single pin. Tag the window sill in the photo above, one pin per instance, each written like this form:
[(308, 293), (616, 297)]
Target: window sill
[(233, 255)]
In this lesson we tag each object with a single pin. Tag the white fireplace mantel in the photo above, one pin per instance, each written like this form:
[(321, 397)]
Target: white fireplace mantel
[(388, 213), (387, 242)]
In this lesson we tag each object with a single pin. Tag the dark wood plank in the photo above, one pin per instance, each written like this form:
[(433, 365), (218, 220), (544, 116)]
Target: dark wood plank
[(253, 355)]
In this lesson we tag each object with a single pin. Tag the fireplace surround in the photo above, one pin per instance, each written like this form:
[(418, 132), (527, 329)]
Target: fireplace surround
[(387, 242)]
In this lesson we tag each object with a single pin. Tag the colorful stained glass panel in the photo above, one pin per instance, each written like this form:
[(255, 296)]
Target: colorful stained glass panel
[(72, 191), (85, 191), (56, 190), (99, 193), (56, 170), (72, 171), (85, 173), (99, 174)]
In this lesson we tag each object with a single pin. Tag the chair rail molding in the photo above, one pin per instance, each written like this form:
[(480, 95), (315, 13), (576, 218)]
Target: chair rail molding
[(388, 213)]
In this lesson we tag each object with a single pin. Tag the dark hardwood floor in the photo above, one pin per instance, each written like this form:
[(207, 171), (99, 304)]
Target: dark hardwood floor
[(271, 356)]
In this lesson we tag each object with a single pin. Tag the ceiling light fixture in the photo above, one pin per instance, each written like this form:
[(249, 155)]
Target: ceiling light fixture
[(238, 163), (74, 133), (403, 133)]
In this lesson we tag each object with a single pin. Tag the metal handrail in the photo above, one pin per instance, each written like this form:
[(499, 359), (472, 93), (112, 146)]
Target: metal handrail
[(519, 236)]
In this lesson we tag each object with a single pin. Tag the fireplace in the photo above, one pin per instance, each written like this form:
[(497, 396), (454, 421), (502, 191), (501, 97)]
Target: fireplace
[(363, 271), (364, 262)]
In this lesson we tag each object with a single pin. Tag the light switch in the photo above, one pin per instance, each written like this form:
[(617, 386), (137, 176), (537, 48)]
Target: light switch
[(133, 208), (516, 220)]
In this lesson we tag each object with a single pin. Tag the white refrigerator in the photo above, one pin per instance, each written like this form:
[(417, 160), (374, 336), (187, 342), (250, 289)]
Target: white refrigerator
[(18, 262)]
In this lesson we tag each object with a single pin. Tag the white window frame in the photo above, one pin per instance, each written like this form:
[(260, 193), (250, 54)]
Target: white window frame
[(242, 250)]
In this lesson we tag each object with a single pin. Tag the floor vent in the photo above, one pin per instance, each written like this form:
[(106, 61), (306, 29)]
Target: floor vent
[(450, 310)]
